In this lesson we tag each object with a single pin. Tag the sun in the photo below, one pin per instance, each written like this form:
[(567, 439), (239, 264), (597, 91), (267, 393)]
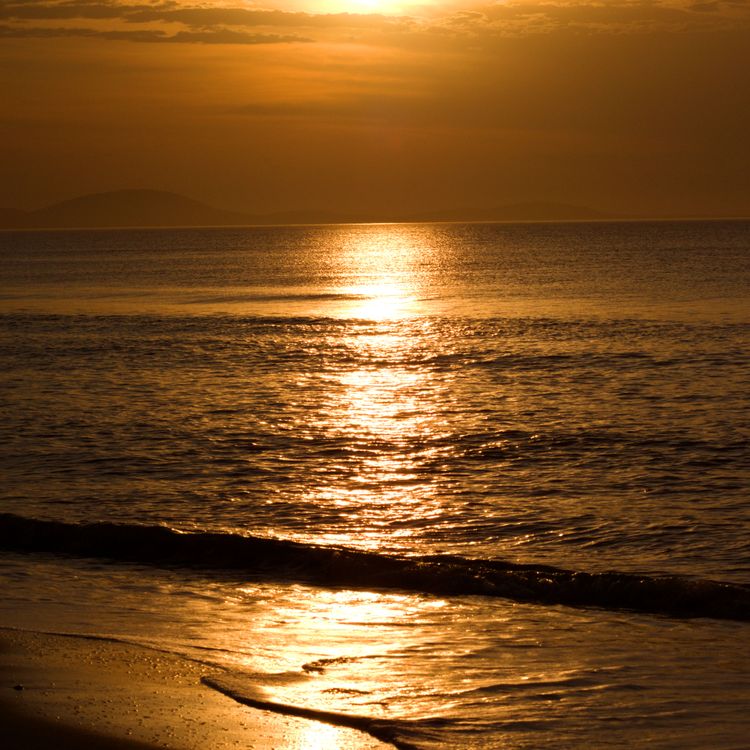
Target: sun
[(368, 6), (361, 7)]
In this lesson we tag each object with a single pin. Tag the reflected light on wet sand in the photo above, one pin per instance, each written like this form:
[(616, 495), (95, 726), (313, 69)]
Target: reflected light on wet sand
[(317, 736)]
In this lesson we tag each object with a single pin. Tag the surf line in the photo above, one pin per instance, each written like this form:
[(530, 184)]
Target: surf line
[(377, 728), (441, 575)]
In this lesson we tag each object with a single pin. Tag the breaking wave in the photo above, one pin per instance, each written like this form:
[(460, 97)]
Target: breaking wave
[(328, 566)]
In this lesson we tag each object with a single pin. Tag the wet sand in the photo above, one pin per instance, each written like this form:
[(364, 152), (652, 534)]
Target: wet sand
[(106, 695)]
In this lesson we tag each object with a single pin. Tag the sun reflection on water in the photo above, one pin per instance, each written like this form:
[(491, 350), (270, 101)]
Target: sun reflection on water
[(379, 407), (382, 263), (386, 300)]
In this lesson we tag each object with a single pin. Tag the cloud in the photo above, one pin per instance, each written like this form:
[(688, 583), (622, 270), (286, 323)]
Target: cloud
[(218, 36), (201, 17), (192, 16), (173, 22), (618, 16), (712, 7), (227, 36), (456, 22)]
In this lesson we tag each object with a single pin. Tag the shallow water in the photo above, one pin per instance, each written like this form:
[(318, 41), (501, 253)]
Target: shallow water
[(427, 670), (564, 395)]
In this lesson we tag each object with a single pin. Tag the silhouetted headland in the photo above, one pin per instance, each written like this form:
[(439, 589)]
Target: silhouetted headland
[(122, 208)]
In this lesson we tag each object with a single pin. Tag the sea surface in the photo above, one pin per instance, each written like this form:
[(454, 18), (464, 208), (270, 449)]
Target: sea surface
[(457, 485)]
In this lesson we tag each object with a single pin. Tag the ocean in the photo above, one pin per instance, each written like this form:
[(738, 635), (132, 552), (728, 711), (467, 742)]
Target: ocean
[(457, 485)]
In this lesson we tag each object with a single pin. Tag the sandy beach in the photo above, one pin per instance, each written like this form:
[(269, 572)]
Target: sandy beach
[(71, 692)]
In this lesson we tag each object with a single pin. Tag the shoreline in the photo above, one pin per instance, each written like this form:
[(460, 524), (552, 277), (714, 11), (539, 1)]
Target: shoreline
[(108, 695)]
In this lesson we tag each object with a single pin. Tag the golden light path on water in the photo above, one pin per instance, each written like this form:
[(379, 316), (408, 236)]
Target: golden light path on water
[(380, 409)]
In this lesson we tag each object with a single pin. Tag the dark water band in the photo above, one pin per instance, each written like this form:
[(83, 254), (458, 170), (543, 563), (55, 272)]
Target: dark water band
[(278, 559)]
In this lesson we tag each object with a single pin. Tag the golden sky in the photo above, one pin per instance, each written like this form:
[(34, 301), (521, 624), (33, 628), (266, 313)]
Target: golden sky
[(630, 106)]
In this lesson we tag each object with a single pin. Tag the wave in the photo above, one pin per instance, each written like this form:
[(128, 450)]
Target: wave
[(394, 732), (441, 575)]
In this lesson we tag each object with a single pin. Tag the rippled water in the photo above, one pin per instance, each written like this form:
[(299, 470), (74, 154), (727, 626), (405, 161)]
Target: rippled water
[(568, 395)]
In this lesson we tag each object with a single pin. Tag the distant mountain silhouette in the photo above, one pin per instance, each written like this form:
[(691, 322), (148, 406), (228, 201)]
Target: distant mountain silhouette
[(124, 208), (157, 208)]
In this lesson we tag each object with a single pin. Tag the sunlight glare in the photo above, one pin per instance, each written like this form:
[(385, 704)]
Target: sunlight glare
[(361, 7), (384, 301), (314, 735), (382, 260)]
